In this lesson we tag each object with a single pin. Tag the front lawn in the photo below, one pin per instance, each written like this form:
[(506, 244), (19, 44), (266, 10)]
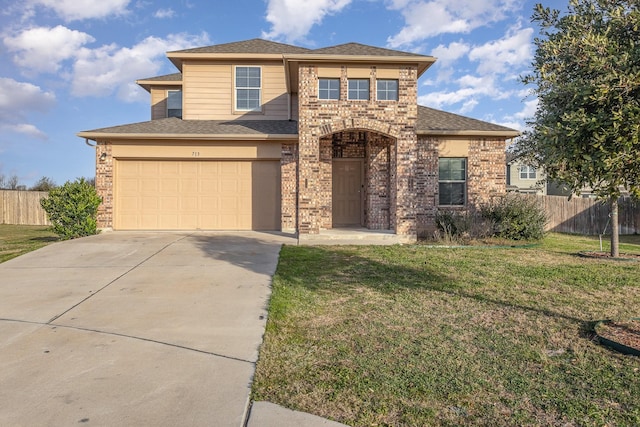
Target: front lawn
[(16, 240), (414, 336)]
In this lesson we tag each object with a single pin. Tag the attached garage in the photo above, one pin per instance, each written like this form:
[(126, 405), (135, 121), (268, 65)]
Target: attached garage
[(173, 174), (197, 195)]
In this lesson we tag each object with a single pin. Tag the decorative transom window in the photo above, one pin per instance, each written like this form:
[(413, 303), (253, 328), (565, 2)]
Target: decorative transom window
[(452, 180), (248, 87), (387, 90), (174, 103), (527, 172), (359, 89), (329, 88)]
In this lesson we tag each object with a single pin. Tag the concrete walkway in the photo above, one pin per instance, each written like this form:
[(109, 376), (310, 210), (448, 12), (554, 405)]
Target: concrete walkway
[(144, 329)]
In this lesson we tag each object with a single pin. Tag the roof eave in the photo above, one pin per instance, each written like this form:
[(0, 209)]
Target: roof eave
[(481, 133), (95, 136), (146, 84)]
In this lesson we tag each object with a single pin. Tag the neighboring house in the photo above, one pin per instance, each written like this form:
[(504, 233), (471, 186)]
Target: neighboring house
[(258, 135), (524, 178)]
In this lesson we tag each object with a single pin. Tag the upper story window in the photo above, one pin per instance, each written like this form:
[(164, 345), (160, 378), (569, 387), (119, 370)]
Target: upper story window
[(174, 103), (248, 88), (387, 90), (452, 181), (329, 89), (358, 89), (527, 172)]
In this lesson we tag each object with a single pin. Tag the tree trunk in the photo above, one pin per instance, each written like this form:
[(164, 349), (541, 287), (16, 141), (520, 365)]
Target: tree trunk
[(615, 250)]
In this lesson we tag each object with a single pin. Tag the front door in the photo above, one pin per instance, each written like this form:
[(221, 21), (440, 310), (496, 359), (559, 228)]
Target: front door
[(347, 192)]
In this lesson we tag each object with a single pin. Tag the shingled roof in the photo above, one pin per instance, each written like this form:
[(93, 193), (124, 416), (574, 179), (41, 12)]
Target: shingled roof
[(430, 122), (174, 128), (437, 122), (247, 46), (175, 77), (360, 50)]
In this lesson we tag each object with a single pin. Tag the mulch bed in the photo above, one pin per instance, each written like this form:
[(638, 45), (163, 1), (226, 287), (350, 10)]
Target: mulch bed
[(626, 333)]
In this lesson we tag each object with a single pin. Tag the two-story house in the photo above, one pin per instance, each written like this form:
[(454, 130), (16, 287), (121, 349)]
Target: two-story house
[(524, 178), (259, 135)]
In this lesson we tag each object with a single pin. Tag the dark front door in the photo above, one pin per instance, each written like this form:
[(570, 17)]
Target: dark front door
[(347, 192)]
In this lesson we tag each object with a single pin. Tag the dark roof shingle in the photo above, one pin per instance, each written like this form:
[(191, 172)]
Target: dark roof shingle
[(360, 49), (247, 46), (434, 121), (175, 77), (174, 126)]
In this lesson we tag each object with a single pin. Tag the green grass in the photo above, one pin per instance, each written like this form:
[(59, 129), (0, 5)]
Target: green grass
[(16, 240), (412, 336)]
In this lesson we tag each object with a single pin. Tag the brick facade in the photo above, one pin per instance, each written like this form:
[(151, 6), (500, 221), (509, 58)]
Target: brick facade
[(104, 184), (486, 177), (390, 129)]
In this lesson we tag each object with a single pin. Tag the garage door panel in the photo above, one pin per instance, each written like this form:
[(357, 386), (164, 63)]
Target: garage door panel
[(216, 195)]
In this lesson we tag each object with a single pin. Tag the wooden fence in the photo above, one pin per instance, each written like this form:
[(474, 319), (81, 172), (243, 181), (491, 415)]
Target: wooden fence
[(22, 207), (588, 216)]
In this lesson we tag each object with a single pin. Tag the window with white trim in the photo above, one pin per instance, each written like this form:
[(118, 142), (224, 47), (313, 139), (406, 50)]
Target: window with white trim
[(174, 103), (387, 90), (452, 181), (328, 88), (358, 89), (527, 172), (248, 89)]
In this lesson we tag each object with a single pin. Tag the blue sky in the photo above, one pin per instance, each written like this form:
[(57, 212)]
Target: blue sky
[(71, 65)]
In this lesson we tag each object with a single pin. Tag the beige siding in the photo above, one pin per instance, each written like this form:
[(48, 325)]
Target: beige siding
[(196, 151), (159, 101), (209, 91), (453, 148)]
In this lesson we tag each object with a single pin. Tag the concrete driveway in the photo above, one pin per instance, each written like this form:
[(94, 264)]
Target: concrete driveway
[(137, 329)]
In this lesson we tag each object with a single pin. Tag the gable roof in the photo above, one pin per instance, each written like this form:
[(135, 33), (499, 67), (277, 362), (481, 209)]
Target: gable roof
[(359, 49), (174, 128), (246, 46), (167, 79), (430, 122), (437, 122)]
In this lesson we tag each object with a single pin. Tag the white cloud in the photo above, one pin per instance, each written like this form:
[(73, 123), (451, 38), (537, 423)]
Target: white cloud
[(17, 100), (470, 89), (73, 10), (501, 56), (164, 13), (42, 49), (25, 129), (425, 19), (292, 20), (111, 68), (453, 52)]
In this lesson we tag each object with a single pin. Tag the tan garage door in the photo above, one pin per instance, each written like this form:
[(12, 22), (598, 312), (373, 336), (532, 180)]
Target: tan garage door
[(192, 195)]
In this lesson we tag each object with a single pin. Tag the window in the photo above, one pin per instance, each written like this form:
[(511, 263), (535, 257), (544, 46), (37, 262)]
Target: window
[(174, 103), (387, 90), (527, 172), (359, 89), (452, 180), (329, 89), (248, 87)]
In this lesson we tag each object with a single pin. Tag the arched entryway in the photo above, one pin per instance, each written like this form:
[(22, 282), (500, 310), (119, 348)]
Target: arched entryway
[(356, 167)]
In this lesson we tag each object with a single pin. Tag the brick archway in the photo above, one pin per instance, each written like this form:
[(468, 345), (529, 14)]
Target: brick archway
[(376, 154)]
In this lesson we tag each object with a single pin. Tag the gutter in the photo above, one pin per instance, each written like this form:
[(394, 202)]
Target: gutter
[(94, 136)]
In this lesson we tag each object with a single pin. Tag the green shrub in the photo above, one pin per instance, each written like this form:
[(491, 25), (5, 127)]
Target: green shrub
[(72, 209), (515, 218), (510, 217), (461, 226)]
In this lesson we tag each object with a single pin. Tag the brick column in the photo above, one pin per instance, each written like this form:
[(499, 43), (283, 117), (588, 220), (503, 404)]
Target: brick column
[(104, 184)]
